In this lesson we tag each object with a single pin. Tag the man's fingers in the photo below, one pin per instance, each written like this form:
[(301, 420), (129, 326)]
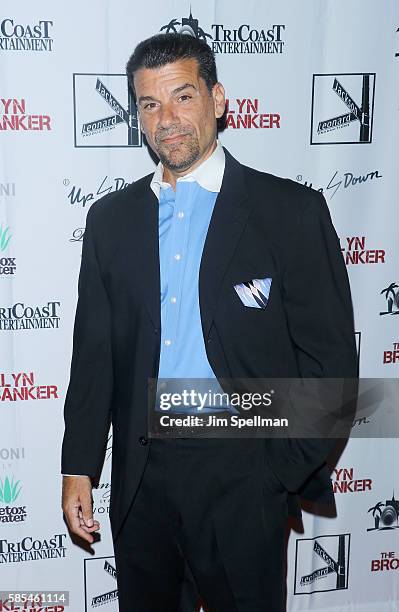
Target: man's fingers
[(95, 527), (87, 511), (73, 521), (77, 507)]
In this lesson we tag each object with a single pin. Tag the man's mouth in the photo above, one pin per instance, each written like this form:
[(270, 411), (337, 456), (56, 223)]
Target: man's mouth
[(175, 138)]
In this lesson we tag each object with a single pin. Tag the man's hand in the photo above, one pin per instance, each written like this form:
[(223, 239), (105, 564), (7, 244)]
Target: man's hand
[(77, 506)]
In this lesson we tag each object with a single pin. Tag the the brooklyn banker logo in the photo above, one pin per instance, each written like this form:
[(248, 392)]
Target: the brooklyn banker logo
[(105, 114), (329, 554), (342, 108), (239, 38), (100, 571)]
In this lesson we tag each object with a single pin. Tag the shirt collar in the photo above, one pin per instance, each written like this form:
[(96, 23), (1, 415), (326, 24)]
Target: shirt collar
[(208, 175)]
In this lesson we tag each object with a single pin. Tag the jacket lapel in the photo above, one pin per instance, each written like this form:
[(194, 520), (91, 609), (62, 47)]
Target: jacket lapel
[(228, 220), (142, 244)]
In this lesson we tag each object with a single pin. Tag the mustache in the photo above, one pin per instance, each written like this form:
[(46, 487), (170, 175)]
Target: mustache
[(164, 135)]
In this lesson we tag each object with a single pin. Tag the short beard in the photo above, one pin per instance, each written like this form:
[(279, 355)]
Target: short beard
[(192, 156)]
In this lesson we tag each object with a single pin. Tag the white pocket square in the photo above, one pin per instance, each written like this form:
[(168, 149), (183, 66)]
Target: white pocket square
[(254, 293)]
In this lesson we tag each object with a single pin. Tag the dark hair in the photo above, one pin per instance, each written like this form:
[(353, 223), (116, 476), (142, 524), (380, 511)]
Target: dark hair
[(163, 49)]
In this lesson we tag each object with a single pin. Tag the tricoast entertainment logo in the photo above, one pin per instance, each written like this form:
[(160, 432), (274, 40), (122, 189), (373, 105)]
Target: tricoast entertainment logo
[(31, 549), (22, 36), (22, 317), (237, 38)]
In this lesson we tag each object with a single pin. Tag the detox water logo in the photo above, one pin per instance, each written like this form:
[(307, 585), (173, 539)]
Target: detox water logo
[(7, 264), (9, 493)]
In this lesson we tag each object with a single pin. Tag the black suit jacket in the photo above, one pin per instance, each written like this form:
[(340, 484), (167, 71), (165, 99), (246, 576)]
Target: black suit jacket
[(262, 226)]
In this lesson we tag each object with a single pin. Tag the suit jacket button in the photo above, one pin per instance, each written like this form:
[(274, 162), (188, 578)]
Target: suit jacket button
[(143, 441)]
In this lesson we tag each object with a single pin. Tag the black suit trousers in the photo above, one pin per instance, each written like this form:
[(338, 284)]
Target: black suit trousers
[(213, 508)]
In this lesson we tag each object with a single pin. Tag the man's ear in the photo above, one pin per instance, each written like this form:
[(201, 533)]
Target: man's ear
[(219, 99), (139, 120)]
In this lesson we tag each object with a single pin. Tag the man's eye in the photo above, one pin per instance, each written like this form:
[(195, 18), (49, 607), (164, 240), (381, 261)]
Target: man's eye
[(149, 105), (186, 96)]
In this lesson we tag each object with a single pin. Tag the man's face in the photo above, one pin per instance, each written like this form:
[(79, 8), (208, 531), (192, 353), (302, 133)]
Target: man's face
[(178, 113)]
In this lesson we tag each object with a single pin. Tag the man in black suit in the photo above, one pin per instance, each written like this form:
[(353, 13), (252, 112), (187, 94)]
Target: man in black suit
[(215, 506)]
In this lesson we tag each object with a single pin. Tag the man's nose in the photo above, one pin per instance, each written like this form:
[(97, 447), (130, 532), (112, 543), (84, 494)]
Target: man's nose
[(167, 116)]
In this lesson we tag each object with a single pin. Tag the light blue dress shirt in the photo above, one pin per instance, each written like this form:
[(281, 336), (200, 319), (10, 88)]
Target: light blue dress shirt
[(184, 217)]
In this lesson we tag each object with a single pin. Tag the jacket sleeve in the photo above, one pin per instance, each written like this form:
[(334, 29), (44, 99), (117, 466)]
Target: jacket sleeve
[(318, 307), (87, 409)]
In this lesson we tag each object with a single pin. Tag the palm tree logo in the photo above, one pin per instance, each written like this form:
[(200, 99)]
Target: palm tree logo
[(392, 298), (171, 27), (376, 511), (189, 26), (386, 518)]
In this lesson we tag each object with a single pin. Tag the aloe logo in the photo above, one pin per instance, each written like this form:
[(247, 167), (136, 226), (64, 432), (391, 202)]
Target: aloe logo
[(9, 490), (5, 238), (7, 264)]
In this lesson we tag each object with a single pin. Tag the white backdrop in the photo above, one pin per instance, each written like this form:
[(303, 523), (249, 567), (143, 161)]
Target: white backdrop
[(313, 96)]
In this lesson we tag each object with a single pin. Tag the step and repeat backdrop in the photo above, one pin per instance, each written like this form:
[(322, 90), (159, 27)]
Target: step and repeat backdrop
[(313, 95)]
